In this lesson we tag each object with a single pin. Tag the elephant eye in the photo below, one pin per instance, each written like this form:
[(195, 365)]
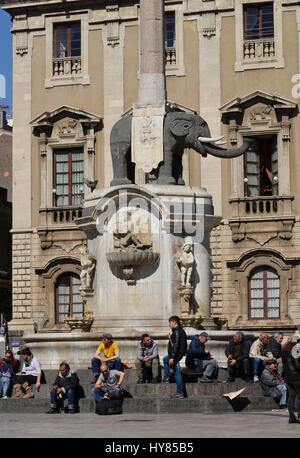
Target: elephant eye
[(203, 124)]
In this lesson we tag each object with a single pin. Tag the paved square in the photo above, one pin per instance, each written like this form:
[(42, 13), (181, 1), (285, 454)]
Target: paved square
[(87, 425)]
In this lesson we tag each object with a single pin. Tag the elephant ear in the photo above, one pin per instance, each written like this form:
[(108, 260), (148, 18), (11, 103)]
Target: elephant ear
[(180, 127)]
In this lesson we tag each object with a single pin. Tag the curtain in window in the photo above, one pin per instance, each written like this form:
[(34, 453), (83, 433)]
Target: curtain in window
[(261, 168)]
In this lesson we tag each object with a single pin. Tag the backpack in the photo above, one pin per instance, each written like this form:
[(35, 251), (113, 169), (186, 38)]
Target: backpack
[(109, 407)]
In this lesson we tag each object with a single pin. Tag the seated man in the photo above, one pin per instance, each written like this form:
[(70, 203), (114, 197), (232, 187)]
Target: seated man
[(111, 356), (65, 386), (30, 374), (109, 381), (199, 359), (237, 353), (272, 384), (147, 363), (274, 347), (260, 355)]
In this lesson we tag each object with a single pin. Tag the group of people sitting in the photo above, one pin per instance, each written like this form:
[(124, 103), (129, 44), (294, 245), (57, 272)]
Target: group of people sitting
[(276, 368)]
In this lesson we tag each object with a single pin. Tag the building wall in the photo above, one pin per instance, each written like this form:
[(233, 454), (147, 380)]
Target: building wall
[(209, 73)]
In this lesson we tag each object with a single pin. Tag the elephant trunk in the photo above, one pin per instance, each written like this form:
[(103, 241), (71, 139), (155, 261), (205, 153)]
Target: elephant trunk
[(215, 150)]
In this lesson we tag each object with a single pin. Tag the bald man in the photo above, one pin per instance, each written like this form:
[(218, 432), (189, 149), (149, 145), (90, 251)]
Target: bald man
[(109, 381)]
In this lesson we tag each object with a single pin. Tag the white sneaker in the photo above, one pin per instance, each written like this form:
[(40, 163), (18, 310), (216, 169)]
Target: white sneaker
[(255, 378), (5, 397)]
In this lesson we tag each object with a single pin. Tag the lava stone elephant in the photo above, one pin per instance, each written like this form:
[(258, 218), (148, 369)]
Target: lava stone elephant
[(181, 130)]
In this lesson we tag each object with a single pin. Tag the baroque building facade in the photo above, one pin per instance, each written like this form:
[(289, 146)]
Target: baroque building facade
[(76, 70)]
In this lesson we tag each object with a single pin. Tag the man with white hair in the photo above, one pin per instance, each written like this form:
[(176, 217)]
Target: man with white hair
[(260, 355)]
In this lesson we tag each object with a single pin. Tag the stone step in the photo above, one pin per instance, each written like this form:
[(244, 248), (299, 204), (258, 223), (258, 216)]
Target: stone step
[(162, 389), (85, 375), (201, 404)]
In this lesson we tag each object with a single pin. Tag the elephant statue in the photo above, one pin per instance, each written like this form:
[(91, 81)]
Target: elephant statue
[(181, 130)]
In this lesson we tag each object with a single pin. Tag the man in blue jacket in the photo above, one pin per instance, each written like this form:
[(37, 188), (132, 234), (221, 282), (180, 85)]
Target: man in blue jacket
[(199, 359)]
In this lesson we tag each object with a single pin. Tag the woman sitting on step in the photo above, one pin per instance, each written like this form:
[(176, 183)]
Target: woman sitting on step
[(30, 374)]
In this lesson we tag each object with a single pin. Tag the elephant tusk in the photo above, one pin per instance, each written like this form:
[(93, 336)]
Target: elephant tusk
[(221, 143), (210, 140)]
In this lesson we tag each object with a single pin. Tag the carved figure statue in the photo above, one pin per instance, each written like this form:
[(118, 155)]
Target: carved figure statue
[(181, 130), (185, 261), (88, 263)]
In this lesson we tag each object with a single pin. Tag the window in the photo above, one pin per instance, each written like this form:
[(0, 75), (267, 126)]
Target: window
[(264, 294), (67, 297), (68, 177), (170, 38), (261, 168), (258, 22), (67, 40)]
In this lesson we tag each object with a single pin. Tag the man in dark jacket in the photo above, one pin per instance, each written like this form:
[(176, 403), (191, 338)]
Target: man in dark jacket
[(237, 353), (272, 384), (176, 350), (199, 359), (274, 346), (66, 386)]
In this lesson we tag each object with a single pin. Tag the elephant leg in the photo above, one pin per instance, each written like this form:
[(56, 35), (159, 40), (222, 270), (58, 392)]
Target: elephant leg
[(120, 158), (165, 173)]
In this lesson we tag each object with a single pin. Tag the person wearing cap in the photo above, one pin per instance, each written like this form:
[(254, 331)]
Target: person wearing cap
[(237, 353), (111, 356), (199, 359), (291, 370), (272, 383), (176, 350), (30, 374), (259, 355)]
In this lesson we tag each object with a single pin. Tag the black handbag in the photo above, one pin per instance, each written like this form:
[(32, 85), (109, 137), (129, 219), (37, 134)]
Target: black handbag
[(109, 407)]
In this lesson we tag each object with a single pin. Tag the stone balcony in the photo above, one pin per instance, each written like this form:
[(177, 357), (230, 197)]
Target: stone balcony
[(67, 66), (259, 50), (59, 215), (170, 57), (261, 218)]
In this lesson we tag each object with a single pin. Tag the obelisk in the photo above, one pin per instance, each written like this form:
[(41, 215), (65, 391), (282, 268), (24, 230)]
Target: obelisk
[(148, 113)]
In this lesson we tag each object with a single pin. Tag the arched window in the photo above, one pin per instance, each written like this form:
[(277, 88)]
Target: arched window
[(68, 301), (264, 294)]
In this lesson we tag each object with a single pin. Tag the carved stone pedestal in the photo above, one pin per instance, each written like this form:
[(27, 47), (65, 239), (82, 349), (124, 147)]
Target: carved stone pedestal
[(79, 323)]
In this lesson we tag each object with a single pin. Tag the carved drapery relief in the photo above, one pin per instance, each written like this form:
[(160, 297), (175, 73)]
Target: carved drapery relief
[(132, 242)]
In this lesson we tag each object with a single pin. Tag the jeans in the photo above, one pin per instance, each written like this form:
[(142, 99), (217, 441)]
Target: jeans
[(96, 363), (98, 393), (258, 365), (4, 385), (209, 366), (177, 372), (283, 390), (69, 395)]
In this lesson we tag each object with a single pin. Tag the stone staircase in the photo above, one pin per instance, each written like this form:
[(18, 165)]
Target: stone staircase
[(154, 398)]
